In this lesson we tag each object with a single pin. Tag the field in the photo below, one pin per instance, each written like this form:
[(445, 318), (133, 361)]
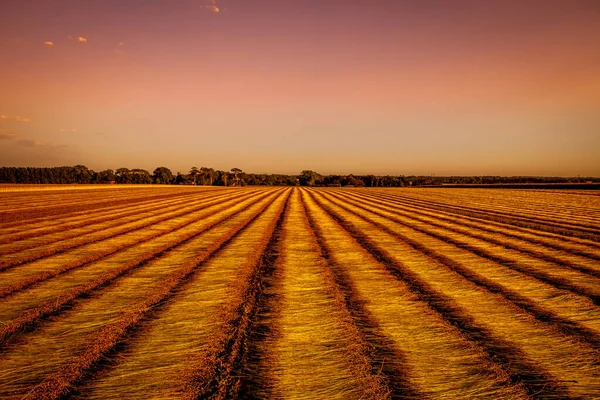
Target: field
[(320, 293)]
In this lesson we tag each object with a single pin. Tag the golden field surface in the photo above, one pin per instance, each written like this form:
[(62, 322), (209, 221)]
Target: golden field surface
[(298, 293)]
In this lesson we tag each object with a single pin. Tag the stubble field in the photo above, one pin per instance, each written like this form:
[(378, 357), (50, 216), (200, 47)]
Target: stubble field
[(314, 293)]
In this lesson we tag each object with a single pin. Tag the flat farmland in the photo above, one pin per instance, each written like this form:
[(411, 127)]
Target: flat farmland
[(301, 293)]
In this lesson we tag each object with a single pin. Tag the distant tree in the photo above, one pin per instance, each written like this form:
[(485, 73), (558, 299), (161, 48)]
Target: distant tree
[(237, 173), (195, 175), (332, 180), (105, 176), (183, 179), (207, 176), (351, 180), (223, 178), (80, 174), (162, 175), (309, 178), (123, 175), (140, 176)]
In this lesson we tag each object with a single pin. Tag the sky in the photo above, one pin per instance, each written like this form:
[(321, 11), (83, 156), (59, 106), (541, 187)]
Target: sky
[(462, 87)]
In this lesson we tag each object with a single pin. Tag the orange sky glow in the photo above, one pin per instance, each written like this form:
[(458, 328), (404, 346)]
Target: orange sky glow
[(438, 87)]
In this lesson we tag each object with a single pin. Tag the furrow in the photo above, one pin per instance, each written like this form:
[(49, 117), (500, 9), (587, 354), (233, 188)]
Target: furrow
[(89, 220), (85, 229), (568, 313), (519, 203), (423, 331), (189, 327), (53, 221), (216, 372), (25, 276), (485, 252), (38, 200), (93, 326), (17, 218), (545, 360), (313, 349), (542, 225), (22, 311), (147, 222), (46, 199), (555, 248)]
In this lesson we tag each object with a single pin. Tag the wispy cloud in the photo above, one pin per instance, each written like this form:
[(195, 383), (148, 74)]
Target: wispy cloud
[(16, 118), (73, 130), (49, 43), (212, 5), (7, 135), (82, 39)]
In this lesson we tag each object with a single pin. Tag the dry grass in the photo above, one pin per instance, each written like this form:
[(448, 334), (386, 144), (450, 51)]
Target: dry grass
[(22, 213), (541, 349), (564, 227), (191, 329), (7, 187), (171, 292), (87, 223), (436, 359), (542, 282), (61, 242), (25, 307), (314, 349), (109, 250), (555, 248), (59, 382)]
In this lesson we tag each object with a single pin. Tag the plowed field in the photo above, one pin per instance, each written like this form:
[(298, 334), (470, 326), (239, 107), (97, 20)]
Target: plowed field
[(299, 293)]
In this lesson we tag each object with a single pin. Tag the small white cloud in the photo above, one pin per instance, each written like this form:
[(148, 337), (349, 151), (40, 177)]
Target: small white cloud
[(18, 118), (3, 116), (73, 130), (212, 6), (49, 43), (82, 39)]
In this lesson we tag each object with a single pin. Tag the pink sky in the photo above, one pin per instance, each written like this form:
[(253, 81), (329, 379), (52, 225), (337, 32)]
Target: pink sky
[(388, 87)]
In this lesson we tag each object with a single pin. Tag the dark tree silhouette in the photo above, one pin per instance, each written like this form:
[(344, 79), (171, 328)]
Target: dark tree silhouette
[(162, 175), (80, 174)]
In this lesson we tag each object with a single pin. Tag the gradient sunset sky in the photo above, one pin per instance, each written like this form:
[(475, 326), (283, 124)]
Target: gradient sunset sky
[(464, 87)]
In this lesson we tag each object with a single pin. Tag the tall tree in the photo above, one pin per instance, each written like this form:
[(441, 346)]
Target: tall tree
[(208, 175), (140, 176), (194, 175), (162, 175), (123, 175), (236, 176), (309, 178), (105, 176)]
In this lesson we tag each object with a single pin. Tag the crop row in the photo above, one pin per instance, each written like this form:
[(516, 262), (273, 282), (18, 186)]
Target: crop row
[(565, 226), (303, 293)]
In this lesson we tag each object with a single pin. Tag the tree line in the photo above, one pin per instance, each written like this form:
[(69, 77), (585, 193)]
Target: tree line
[(236, 177)]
